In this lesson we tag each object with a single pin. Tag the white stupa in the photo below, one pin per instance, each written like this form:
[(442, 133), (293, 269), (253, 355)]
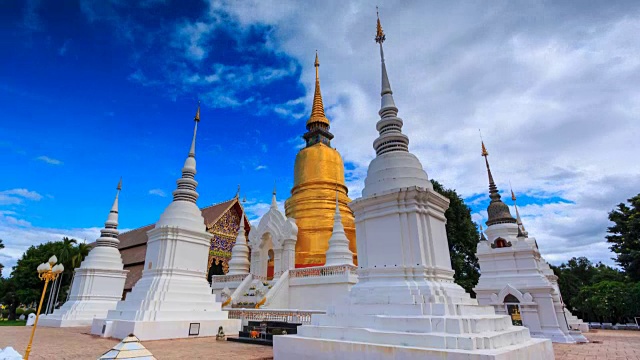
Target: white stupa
[(514, 278), (405, 304), (173, 298), (98, 282), (239, 263), (338, 252)]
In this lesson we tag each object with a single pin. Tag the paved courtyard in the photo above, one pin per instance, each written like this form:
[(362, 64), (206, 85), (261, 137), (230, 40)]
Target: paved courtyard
[(78, 344)]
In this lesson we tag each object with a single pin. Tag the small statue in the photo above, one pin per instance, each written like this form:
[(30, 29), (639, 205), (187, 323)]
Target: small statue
[(220, 335)]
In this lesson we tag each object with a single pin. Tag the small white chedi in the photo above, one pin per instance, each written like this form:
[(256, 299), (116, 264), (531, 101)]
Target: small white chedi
[(405, 304), (98, 282), (173, 298), (515, 279)]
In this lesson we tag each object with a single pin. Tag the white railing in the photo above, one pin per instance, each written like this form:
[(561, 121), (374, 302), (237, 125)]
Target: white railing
[(261, 278), (242, 288), (272, 294), (286, 315), (322, 271), (227, 278)]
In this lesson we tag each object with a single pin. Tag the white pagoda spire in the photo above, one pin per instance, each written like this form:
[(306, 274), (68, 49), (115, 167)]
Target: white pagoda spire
[(274, 203), (338, 252), (518, 219), (239, 263), (390, 125), (98, 282), (109, 235), (173, 290)]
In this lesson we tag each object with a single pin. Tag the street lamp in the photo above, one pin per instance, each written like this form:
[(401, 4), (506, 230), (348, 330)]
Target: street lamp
[(47, 272)]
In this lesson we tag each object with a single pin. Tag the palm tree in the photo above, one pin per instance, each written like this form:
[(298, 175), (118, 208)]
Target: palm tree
[(66, 252), (80, 252)]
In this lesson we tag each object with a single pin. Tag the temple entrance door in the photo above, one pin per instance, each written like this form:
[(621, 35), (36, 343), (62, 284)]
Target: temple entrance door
[(215, 269), (512, 305), (266, 256)]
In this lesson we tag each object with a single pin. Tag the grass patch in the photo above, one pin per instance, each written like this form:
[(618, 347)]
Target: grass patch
[(12, 323)]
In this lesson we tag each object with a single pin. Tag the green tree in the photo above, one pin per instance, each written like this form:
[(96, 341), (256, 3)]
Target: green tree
[(463, 236), (25, 276), (607, 301), (625, 236), (9, 296)]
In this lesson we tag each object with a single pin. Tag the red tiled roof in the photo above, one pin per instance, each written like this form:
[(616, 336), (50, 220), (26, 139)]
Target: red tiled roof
[(135, 273), (133, 244)]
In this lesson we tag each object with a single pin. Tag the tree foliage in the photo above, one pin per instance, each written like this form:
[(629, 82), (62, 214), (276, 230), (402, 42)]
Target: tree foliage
[(625, 236), (597, 292), (24, 286), (463, 239)]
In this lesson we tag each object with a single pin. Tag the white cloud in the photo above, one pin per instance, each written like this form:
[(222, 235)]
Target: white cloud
[(552, 93), (17, 196), (49, 160), (18, 234), (256, 209), (260, 167), (158, 192)]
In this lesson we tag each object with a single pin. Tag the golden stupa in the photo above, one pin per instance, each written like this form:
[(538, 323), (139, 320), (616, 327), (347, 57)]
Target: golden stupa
[(318, 173)]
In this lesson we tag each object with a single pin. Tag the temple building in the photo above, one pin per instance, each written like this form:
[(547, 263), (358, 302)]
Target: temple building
[(222, 221), (318, 174), (405, 304), (515, 279)]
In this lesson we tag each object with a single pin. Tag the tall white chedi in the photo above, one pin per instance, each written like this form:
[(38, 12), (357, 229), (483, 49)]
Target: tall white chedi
[(514, 277), (173, 298), (338, 252), (98, 282), (405, 304)]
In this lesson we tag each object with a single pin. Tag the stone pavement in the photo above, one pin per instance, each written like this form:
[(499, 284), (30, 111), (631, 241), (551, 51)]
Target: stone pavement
[(78, 344), (605, 344)]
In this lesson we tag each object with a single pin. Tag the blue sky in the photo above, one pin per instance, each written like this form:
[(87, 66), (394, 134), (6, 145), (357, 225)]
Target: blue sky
[(94, 90)]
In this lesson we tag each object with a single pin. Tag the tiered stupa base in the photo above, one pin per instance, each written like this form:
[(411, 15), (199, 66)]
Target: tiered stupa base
[(412, 327), (165, 304), (96, 289)]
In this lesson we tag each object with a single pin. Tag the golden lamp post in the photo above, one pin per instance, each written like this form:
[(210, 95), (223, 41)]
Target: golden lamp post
[(47, 272)]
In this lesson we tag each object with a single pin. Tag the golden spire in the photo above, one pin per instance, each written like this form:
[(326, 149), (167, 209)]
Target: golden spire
[(317, 110), (379, 32), (197, 118), (119, 184), (485, 153)]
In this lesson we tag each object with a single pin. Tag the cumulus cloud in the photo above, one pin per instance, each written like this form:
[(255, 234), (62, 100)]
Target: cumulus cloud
[(554, 94), (158, 192), (17, 196), (260, 167), (18, 234), (552, 86), (255, 209), (49, 160)]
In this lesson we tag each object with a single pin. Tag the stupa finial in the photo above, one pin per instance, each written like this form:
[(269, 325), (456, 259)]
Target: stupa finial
[(186, 190), (317, 109), (518, 219), (109, 234), (274, 203), (498, 211), (390, 125)]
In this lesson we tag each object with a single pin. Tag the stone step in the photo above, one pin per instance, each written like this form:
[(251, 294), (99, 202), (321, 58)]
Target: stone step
[(419, 324), (434, 340)]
